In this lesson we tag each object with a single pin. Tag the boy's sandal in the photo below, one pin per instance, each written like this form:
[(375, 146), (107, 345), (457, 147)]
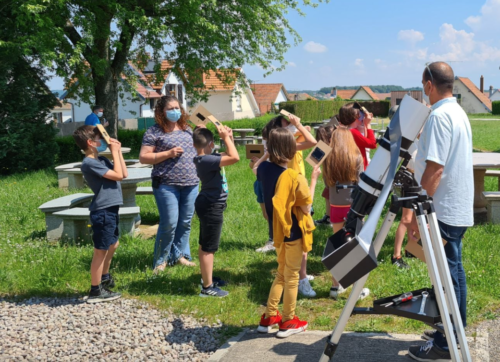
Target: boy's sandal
[(185, 262), (159, 268)]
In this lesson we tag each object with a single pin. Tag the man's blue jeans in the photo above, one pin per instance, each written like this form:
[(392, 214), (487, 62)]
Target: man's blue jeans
[(176, 207), (453, 248)]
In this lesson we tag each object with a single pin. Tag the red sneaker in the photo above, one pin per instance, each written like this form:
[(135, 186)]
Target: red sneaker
[(292, 326), (266, 324)]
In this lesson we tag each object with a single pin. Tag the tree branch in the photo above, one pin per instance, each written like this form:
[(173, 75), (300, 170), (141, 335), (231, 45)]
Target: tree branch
[(121, 54), (75, 38)]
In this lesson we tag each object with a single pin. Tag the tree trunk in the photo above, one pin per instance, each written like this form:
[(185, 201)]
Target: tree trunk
[(106, 95)]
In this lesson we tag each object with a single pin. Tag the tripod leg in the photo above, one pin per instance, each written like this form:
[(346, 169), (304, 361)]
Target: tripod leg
[(444, 272), (357, 287), (433, 270)]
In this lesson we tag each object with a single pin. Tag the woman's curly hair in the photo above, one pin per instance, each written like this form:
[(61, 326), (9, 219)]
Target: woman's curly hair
[(161, 118)]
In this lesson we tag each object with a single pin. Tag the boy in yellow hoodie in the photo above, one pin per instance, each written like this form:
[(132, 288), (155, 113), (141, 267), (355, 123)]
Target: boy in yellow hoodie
[(288, 203)]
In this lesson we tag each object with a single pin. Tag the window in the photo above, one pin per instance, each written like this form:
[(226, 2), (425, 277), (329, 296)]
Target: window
[(458, 96), (179, 93), (398, 101), (170, 89), (152, 103), (57, 116)]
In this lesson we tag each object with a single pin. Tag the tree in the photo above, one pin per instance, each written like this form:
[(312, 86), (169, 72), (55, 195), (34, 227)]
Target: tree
[(26, 140), (92, 41)]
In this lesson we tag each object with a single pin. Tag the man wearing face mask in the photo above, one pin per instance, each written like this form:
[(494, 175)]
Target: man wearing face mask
[(93, 118)]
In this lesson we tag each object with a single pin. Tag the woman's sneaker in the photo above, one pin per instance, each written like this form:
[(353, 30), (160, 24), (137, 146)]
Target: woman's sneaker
[(266, 324), (292, 326), (266, 248), (213, 291), (102, 295), (305, 288)]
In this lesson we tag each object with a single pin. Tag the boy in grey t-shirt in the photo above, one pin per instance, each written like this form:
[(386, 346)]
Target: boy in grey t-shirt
[(104, 179)]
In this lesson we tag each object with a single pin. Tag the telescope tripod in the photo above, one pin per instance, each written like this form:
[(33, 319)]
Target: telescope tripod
[(443, 292)]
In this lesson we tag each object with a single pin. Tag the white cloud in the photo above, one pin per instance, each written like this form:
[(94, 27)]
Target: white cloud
[(313, 47), (292, 64), (359, 63), (410, 36), (488, 20)]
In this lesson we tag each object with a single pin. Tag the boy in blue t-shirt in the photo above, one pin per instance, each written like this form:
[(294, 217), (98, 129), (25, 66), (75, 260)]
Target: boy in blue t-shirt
[(103, 177), (211, 201)]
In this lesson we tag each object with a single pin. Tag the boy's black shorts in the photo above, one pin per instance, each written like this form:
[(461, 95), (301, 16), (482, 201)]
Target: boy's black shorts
[(105, 227), (211, 216)]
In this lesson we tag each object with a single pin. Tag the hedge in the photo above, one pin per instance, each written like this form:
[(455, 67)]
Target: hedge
[(315, 111), (495, 107)]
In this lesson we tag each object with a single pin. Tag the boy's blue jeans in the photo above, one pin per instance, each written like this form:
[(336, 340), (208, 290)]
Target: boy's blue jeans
[(176, 207), (453, 249)]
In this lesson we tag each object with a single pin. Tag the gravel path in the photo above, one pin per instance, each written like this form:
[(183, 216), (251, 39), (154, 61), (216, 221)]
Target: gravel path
[(72, 330)]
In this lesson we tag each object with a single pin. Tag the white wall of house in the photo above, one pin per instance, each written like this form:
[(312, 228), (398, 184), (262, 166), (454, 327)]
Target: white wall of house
[(467, 99), (281, 97), (495, 96), (362, 95), (219, 104), (172, 79), (128, 107), (244, 105)]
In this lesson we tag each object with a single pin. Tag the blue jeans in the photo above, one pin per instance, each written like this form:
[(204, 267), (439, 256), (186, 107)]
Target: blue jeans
[(453, 249), (176, 207)]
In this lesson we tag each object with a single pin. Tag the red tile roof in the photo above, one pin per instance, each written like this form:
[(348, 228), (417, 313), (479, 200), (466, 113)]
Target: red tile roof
[(266, 94), (346, 93), (215, 80), (383, 96), (475, 90)]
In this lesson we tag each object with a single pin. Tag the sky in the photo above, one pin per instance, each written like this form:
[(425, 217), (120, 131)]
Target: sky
[(366, 42)]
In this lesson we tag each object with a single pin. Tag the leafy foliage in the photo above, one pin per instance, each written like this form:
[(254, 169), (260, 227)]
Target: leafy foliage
[(495, 107), (26, 141), (314, 111)]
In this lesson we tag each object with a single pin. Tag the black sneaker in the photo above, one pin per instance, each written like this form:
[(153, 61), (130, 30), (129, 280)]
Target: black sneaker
[(429, 335), (217, 282), (400, 263), (102, 295), (325, 220), (108, 283), (213, 291), (408, 254), (429, 352)]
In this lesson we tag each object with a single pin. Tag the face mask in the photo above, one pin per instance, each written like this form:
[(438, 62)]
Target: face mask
[(292, 128), (102, 147), (99, 114), (173, 115)]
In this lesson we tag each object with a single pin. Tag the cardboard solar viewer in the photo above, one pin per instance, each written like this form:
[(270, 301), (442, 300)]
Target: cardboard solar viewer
[(319, 153), (202, 116), (103, 133)]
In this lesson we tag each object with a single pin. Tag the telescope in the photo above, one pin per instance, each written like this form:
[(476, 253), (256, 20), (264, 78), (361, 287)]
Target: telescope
[(348, 253)]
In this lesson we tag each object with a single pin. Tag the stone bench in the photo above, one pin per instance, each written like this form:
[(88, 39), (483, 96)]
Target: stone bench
[(144, 190), (54, 224), (492, 206), (76, 222), (493, 173)]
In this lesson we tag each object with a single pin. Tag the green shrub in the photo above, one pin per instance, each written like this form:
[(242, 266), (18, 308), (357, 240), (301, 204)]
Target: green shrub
[(495, 107), (316, 111), (68, 151), (131, 138)]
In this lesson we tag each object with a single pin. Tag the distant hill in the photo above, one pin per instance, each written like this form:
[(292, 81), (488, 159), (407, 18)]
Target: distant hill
[(375, 88)]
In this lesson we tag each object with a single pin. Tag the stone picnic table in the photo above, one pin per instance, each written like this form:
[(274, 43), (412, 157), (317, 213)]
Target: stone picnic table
[(129, 187), (243, 139), (482, 161), (107, 153)]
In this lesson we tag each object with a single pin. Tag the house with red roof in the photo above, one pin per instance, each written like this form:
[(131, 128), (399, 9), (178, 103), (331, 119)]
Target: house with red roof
[(364, 93), (269, 95), (470, 97)]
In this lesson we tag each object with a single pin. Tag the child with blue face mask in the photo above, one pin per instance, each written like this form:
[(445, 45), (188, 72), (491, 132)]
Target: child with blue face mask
[(103, 177)]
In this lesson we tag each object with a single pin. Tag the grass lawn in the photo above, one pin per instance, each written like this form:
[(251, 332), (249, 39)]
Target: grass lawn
[(29, 265)]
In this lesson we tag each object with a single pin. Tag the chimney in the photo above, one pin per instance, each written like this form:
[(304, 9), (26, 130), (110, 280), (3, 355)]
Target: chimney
[(481, 84), (334, 92), (491, 90)]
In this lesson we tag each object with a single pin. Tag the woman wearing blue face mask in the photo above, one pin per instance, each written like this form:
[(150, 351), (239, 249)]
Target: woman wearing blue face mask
[(168, 146)]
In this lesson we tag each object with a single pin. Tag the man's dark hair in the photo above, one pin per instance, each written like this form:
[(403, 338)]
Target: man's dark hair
[(202, 137), (441, 75), (83, 134), (96, 107)]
